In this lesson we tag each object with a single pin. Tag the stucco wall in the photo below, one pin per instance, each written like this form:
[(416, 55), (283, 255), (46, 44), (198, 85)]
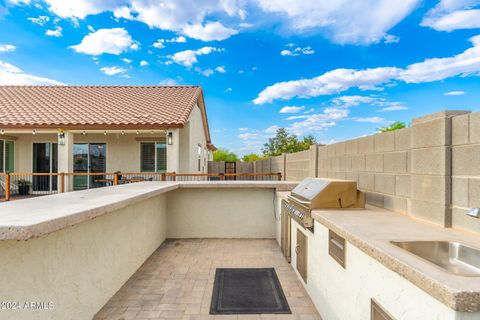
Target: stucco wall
[(340, 293), (221, 213), (197, 137), (79, 268), (123, 151)]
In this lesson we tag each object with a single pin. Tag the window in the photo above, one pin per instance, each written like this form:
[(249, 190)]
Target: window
[(6, 156), (199, 156), (153, 157)]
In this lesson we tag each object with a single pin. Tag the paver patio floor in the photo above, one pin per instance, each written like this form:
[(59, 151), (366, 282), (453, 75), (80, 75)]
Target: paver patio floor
[(176, 282)]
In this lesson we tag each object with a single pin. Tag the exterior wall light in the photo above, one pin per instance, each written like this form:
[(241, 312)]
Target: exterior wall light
[(3, 132), (34, 132), (61, 137), (170, 138)]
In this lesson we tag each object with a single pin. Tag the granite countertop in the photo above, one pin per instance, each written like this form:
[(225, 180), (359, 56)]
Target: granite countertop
[(372, 229), (34, 217)]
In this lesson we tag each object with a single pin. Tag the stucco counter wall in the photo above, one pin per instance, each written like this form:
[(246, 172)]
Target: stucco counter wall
[(79, 268), (70, 253)]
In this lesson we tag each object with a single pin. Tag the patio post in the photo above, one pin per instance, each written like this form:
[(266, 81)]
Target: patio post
[(65, 159), (7, 186)]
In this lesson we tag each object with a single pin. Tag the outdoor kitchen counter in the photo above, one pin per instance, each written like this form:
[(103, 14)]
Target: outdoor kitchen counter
[(372, 229), (34, 217)]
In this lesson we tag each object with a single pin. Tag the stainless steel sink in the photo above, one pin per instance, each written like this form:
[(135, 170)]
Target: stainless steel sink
[(453, 257)]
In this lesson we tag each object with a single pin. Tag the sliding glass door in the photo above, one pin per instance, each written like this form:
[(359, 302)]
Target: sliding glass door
[(45, 161), (89, 158), (98, 163)]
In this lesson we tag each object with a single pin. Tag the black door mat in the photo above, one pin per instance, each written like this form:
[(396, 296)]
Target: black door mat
[(248, 291)]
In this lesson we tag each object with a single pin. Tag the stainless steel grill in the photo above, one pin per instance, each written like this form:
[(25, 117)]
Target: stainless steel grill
[(316, 193)]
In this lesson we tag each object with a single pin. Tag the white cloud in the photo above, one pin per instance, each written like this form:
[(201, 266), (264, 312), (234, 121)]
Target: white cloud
[(390, 38), (351, 101), (81, 8), (220, 69), (450, 15), (12, 75), (371, 120), (465, 63), (41, 20), (188, 58), (57, 32), (207, 72), (304, 116), (292, 109), (272, 129), (7, 48), (183, 16), (331, 82), (112, 41), (319, 121), (168, 82), (127, 60), (297, 51), (339, 80), (17, 2), (393, 108), (159, 44), (123, 12), (111, 71), (454, 93), (144, 63), (209, 32), (180, 39), (228, 89), (344, 21)]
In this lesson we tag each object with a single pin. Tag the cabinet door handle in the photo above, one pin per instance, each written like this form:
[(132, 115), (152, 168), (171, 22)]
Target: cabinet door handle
[(337, 243), (297, 249)]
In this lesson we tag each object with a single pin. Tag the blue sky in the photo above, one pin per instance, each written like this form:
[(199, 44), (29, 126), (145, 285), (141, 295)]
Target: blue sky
[(334, 69)]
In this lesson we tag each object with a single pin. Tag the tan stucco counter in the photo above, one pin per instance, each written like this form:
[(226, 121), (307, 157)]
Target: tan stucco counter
[(371, 231), (28, 218)]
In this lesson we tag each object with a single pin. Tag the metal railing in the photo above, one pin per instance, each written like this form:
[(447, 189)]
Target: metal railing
[(16, 185)]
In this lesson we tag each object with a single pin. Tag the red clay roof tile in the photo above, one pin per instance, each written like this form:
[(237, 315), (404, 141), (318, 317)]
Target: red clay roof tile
[(97, 106)]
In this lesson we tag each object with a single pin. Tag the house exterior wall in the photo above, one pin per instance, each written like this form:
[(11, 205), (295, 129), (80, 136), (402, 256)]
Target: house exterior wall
[(123, 151), (197, 138)]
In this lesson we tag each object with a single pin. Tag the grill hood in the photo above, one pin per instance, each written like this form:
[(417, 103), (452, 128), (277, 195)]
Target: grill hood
[(317, 193)]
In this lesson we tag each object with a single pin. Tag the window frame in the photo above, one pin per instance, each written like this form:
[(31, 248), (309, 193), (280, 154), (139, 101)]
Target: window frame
[(155, 155), (3, 163)]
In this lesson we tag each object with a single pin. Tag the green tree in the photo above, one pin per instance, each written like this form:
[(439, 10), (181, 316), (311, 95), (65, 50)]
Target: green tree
[(224, 155), (283, 142), (392, 127), (252, 157)]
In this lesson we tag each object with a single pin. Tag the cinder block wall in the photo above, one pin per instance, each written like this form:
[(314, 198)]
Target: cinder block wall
[(465, 170), (430, 171), (278, 164), (379, 164), (300, 165)]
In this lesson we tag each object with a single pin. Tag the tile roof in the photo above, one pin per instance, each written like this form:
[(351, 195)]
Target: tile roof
[(102, 107)]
